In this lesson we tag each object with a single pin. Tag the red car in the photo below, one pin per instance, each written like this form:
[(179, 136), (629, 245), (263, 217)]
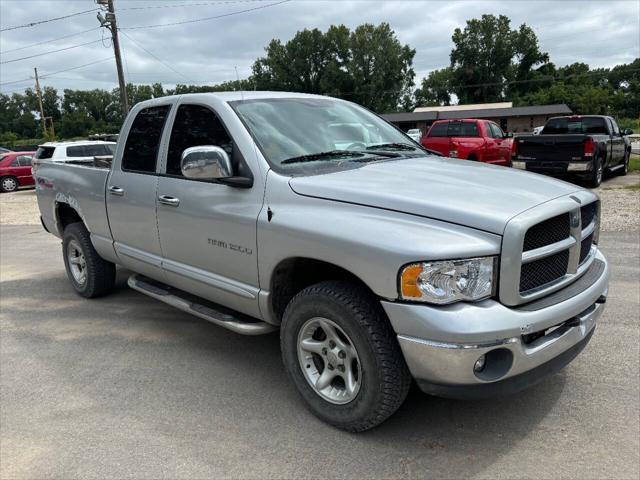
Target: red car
[(15, 170), (470, 139)]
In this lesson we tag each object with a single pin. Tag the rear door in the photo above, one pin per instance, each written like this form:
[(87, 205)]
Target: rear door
[(24, 170), (131, 193), (207, 229)]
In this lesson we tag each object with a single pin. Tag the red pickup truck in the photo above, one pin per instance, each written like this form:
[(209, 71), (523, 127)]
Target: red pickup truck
[(470, 139)]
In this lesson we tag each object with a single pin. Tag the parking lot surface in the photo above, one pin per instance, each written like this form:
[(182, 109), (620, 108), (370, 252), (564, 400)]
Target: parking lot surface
[(127, 387)]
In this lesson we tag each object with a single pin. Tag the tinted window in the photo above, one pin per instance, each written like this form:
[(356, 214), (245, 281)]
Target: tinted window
[(143, 141), (77, 151), (463, 129), (614, 126), (577, 125), (194, 126), (45, 152), (25, 161), (15, 162), (94, 150), (438, 130)]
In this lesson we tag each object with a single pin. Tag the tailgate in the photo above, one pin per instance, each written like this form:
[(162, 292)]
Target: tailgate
[(551, 147)]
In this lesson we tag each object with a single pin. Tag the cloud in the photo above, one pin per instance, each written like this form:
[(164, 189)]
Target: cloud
[(601, 34)]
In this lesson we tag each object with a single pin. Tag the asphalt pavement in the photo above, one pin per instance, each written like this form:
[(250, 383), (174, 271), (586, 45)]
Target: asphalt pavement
[(127, 387)]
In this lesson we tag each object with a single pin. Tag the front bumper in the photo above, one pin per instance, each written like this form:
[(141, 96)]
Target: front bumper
[(441, 344)]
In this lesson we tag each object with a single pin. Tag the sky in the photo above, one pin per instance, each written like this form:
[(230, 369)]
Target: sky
[(210, 50)]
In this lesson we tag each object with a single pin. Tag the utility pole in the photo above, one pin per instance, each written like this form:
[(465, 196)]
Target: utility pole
[(110, 22), (43, 120)]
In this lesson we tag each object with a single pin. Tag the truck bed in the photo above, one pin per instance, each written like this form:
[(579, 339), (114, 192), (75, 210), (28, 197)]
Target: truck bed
[(81, 185)]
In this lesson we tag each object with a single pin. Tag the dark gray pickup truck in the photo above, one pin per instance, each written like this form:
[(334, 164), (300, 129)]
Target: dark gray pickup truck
[(581, 146)]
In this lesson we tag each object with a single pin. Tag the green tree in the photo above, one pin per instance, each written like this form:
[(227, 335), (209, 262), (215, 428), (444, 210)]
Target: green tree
[(488, 54), (367, 65), (435, 89)]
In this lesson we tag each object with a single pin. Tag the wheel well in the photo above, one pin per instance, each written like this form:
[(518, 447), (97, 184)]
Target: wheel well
[(66, 215), (295, 274), (473, 157)]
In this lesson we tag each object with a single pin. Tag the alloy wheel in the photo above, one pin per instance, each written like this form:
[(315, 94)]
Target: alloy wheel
[(77, 262), (329, 361)]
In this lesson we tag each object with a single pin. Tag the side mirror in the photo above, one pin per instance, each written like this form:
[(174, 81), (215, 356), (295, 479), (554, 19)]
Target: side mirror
[(627, 131), (508, 135), (206, 162)]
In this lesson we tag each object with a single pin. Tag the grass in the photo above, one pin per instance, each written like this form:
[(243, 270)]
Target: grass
[(634, 163), (635, 188)]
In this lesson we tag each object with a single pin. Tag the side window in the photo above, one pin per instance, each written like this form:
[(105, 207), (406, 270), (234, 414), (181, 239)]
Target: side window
[(194, 126), (496, 131), (77, 151), (93, 150), (143, 141), (15, 162), (615, 130), (438, 130), (25, 161)]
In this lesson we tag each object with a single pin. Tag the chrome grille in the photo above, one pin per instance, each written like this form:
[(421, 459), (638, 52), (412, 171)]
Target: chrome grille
[(548, 247)]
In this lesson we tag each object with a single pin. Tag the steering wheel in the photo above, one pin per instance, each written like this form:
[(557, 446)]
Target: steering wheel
[(357, 146)]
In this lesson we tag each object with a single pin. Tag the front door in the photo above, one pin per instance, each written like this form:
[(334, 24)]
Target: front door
[(208, 230), (617, 144), (131, 194)]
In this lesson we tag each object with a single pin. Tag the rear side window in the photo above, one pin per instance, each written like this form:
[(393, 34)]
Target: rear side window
[(438, 130), (24, 160), (95, 150), (463, 129), (45, 152), (495, 131), (143, 141), (77, 151)]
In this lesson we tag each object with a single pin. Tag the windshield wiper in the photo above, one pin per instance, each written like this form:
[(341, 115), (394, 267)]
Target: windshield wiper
[(313, 157), (392, 146)]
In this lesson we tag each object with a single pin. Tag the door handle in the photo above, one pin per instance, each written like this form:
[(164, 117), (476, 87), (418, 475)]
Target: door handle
[(113, 190), (168, 200)]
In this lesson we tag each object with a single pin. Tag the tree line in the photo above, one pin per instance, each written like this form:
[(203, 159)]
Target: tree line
[(490, 61)]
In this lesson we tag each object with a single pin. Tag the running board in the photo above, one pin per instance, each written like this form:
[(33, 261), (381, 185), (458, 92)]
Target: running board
[(617, 167), (234, 321)]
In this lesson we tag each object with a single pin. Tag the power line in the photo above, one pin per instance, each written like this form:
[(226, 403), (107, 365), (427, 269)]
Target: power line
[(48, 41), (50, 51), (154, 56), (32, 24), (221, 2), (46, 75), (206, 18)]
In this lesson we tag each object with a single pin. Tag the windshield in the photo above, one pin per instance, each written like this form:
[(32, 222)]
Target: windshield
[(288, 130)]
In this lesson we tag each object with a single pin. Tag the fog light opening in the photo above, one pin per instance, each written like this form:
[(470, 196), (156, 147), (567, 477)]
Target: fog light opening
[(479, 365)]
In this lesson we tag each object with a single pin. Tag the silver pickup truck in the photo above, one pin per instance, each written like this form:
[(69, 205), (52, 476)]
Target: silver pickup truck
[(378, 261)]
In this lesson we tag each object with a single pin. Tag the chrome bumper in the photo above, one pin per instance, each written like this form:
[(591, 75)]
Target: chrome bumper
[(442, 344)]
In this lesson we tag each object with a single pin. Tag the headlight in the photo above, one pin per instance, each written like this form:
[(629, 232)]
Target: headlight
[(448, 281)]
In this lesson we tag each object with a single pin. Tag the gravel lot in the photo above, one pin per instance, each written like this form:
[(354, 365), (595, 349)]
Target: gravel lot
[(127, 387)]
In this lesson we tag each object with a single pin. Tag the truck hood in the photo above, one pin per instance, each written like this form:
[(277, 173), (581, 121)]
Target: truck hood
[(467, 193)]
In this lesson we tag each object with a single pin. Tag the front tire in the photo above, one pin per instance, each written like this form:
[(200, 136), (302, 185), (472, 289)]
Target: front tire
[(90, 274), (8, 184), (624, 170), (595, 179), (342, 355)]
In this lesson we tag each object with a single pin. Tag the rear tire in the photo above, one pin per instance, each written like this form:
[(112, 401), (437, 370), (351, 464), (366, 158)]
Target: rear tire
[(595, 179), (90, 274), (377, 379), (8, 184)]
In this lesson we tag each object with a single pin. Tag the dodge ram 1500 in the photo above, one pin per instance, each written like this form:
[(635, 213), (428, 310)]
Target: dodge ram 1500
[(379, 262)]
